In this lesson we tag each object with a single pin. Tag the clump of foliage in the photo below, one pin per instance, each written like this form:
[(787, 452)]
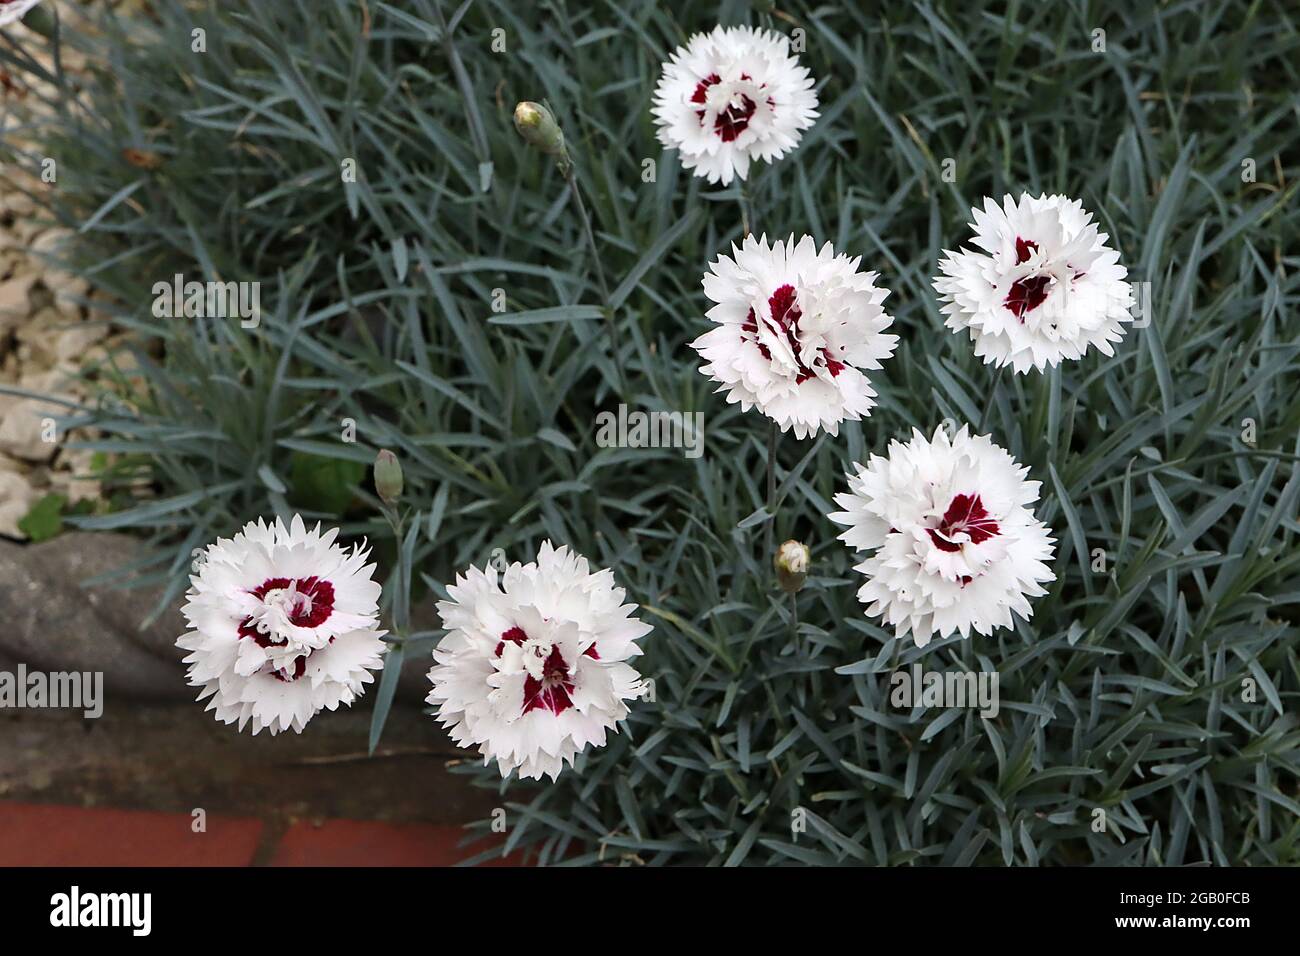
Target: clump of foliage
[(1177, 569)]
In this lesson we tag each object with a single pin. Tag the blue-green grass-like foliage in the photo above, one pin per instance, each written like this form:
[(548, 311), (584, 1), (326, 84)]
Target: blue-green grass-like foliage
[(1159, 686)]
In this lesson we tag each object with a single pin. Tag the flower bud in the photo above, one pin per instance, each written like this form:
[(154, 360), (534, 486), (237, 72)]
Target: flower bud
[(791, 562), (388, 477), (36, 17), (537, 126)]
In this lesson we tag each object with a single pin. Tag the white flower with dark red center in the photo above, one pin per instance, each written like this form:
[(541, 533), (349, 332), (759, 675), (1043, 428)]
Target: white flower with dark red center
[(955, 544), (11, 11), (284, 624), (732, 96), (795, 331), (534, 667), (1046, 287)]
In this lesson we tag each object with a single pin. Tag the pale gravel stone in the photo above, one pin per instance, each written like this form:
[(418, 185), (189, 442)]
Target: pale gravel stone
[(47, 332), (16, 498), (15, 302), (24, 427)]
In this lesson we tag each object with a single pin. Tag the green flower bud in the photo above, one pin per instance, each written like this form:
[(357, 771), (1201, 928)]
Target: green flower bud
[(791, 562), (538, 127), (388, 477), (40, 19)]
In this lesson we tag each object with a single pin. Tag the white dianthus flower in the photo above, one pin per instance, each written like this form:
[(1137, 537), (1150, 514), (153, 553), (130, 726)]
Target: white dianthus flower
[(730, 97), (1044, 288), (534, 667), (284, 624), (955, 544), (795, 331)]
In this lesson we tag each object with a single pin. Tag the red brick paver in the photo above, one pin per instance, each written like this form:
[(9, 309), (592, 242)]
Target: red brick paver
[(52, 835), (47, 835), (371, 843)]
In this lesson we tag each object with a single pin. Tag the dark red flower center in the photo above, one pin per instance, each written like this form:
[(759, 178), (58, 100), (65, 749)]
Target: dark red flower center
[(515, 635), (310, 607), (965, 513), (785, 318), (553, 689), (1023, 248), (1028, 293), (732, 121)]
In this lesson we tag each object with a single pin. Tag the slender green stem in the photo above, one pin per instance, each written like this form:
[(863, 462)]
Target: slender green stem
[(572, 178), (401, 586), (774, 434), (611, 323), (988, 404), (774, 437)]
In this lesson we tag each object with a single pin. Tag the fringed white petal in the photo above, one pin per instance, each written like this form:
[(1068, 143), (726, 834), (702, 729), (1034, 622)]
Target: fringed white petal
[(15, 10), (795, 331), (954, 543), (1041, 287), (283, 625), (730, 97), (533, 668)]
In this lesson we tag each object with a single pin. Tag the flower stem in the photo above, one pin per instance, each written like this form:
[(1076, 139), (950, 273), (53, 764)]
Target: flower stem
[(400, 576), (988, 405), (611, 323), (774, 437), (775, 434), (744, 210), (572, 178)]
